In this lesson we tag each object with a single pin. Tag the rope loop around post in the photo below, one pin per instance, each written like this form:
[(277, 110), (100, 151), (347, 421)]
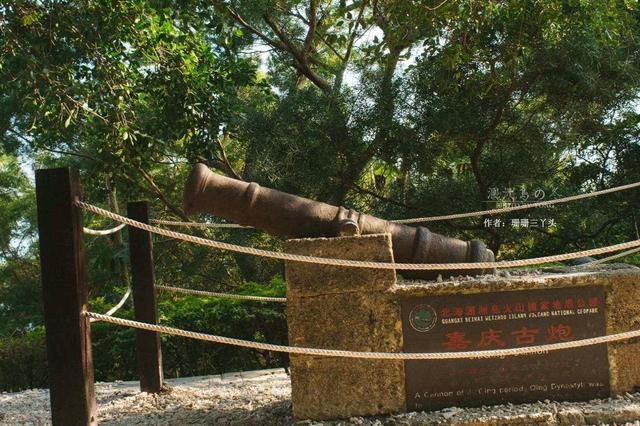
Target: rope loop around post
[(103, 232), (117, 306)]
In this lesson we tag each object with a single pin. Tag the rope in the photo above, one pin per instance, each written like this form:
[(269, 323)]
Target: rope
[(227, 295), (117, 306), (615, 256), (109, 231), (355, 263), (522, 207), (432, 218), (198, 224), (367, 355)]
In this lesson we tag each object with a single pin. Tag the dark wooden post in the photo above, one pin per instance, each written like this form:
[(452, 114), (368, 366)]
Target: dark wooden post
[(144, 299), (65, 290)]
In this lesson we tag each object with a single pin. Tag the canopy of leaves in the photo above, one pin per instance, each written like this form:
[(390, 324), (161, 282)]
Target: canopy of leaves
[(396, 108)]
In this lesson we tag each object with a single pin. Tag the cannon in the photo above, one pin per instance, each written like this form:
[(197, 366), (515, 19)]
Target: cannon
[(286, 215)]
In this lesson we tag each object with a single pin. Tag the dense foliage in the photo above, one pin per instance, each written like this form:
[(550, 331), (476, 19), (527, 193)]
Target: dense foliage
[(396, 108)]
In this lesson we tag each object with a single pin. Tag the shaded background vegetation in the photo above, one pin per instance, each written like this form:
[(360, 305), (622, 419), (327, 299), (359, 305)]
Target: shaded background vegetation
[(395, 108)]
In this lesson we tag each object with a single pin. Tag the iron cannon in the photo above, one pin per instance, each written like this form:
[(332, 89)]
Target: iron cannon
[(286, 215)]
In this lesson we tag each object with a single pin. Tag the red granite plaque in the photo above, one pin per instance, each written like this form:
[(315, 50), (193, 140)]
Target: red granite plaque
[(502, 320)]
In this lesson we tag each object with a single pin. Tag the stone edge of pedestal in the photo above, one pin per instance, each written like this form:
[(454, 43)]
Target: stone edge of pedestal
[(344, 308)]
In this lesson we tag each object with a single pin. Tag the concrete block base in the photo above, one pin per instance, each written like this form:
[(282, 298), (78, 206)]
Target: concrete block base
[(360, 309)]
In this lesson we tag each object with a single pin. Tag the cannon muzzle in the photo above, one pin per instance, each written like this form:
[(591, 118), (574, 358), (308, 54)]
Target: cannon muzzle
[(286, 215)]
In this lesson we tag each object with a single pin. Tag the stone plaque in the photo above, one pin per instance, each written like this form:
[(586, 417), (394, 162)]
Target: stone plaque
[(500, 320)]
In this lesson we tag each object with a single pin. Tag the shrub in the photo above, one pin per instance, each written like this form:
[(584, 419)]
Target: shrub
[(23, 361), (23, 358)]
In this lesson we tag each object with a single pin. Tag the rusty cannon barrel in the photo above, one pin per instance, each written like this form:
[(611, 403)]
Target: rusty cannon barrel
[(287, 215)]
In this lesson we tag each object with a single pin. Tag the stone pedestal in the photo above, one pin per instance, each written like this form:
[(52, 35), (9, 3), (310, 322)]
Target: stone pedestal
[(367, 310), (344, 308)]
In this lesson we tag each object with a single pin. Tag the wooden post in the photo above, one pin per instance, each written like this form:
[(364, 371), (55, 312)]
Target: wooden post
[(144, 299), (65, 290)]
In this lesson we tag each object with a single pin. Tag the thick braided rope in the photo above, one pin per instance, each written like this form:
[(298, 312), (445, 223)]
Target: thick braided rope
[(368, 355), (516, 208), (110, 231), (225, 295), (116, 307), (355, 263), (608, 258), (433, 218), (198, 224)]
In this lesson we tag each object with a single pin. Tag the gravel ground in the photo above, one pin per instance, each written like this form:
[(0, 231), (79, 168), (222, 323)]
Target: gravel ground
[(264, 398)]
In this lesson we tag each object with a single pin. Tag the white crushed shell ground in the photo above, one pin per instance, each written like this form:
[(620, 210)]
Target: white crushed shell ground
[(264, 398)]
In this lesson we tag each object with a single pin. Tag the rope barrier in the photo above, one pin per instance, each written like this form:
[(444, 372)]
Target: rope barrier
[(103, 232), (226, 295), (117, 306), (615, 256), (355, 263), (367, 355), (434, 218), (516, 208), (198, 224)]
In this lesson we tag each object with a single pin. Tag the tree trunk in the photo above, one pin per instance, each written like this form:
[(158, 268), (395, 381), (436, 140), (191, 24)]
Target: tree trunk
[(385, 107)]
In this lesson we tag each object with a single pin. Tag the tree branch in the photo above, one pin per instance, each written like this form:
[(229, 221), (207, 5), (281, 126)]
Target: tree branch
[(301, 60), (387, 200), (240, 20), (161, 195), (308, 41), (284, 45), (223, 154), (352, 37)]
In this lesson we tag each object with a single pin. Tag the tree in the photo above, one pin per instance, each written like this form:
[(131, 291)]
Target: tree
[(395, 108)]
